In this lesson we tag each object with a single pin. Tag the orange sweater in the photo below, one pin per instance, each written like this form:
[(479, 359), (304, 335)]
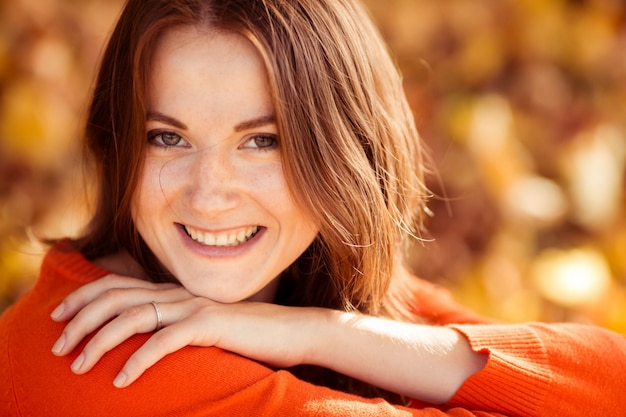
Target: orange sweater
[(533, 370)]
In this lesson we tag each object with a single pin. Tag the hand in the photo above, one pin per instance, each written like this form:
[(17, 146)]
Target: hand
[(277, 335)]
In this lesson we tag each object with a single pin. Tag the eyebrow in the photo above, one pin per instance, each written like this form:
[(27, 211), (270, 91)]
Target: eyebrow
[(248, 124), (257, 122), (160, 117)]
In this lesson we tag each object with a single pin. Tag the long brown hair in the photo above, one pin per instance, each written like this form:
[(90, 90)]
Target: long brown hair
[(350, 150)]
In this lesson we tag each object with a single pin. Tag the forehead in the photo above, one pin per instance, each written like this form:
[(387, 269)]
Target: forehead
[(209, 67)]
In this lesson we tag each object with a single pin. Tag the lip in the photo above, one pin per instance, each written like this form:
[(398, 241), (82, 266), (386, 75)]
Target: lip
[(219, 251)]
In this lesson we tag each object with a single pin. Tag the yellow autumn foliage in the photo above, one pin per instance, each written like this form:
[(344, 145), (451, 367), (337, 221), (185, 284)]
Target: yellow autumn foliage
[(522, 104)]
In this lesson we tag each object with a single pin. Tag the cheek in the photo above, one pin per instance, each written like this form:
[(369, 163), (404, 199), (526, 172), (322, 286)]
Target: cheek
[(285, 203), (289, 199), (265, 181), (157, 180), (147, 194)]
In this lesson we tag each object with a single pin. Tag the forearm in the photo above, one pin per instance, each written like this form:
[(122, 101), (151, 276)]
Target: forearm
[(424, 362), (546, 369)]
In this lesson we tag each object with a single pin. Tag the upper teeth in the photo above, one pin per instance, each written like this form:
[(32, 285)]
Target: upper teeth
[(222, 239)]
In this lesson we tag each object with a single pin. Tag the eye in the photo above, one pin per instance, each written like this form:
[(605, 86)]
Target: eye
[(264, 142), (166, 139)]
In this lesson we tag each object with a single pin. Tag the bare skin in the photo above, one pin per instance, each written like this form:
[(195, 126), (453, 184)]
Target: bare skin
[(398, 355), (213, 206)]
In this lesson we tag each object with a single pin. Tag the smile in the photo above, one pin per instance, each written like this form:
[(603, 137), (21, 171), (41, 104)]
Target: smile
[(232, 238)]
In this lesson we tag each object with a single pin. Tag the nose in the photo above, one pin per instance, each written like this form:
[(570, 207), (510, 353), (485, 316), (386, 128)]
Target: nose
[(212, 186)]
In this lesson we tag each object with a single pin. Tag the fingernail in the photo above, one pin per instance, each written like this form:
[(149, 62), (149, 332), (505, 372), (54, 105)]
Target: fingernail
[(78, 363), (120, 379), (57, 312), (58, 345)]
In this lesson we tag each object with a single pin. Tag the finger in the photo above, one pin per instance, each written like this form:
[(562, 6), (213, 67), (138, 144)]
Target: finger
[(89, 292), (161, 344), (135, 320), (95, 314), (108, 305)]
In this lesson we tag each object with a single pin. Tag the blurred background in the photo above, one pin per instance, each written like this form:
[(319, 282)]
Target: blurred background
[(521, 103)]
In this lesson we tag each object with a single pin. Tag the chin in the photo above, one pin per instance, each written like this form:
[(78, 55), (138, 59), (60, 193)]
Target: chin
[(220, 296)]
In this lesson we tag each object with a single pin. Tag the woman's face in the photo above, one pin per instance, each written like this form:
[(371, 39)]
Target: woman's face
[(212, 202)]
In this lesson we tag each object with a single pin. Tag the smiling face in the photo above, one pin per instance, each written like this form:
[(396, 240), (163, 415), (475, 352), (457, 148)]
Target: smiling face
[(212, 202)]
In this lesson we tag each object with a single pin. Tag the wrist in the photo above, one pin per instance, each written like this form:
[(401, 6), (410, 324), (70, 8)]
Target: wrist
[(323, 335)]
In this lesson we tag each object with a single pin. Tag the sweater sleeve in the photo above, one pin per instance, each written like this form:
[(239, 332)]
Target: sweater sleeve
[(533, 369), (191, 382), (541, 369)]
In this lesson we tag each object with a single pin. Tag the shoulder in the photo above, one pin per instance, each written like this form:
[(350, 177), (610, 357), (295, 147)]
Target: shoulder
[(192, 381), (64, 262)]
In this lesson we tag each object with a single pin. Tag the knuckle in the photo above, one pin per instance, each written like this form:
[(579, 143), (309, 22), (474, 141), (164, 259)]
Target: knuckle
[(135, 363), (113, 293), (109, 278), (118, 298), (72, 328), (111, 281), (134, 312), (161, 340), (79, 325), (92, 348), (113, 298), (116, 279)]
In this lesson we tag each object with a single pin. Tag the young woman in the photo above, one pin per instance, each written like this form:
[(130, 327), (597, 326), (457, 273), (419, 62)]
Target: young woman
[(260, 174)]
